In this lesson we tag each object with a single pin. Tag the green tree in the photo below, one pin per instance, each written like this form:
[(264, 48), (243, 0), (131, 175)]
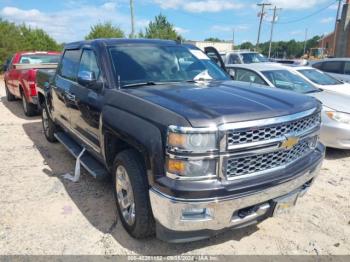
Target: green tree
[(161, 28), (23, 38), (246, 45), (105, 30), (213, 39)]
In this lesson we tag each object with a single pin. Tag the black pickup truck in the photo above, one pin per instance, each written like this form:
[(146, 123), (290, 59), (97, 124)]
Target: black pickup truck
[(191, 152)]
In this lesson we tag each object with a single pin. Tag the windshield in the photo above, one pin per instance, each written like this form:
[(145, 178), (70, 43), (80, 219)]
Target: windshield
[(286, 80), (162, 64), (39, 59), (318, 77), (249, 58)]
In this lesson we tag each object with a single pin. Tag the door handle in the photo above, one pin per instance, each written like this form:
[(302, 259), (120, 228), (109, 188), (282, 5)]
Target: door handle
[(70, 96)]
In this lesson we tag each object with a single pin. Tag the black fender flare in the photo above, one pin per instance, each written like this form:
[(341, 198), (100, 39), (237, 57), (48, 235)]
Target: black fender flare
[(137, 132)]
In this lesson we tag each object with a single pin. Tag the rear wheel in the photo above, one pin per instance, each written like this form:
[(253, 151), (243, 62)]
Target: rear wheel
[(131, 194), (49, 126), (10, 97), (28, 108)]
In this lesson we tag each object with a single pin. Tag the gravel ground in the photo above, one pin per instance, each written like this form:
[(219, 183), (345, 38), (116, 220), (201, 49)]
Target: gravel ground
[(41, 213)]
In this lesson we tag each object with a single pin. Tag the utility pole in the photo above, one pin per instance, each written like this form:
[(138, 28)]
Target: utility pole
[(305, 41), (272, 26), (132, 35), (335, 27), (261, 19), (233, 37)]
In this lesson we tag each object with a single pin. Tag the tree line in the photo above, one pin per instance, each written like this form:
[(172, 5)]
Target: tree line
[(23, 38), (283, 49)]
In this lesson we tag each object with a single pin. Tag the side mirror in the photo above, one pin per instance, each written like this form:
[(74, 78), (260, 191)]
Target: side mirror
[(231, 72), (4, 67), (87, 79), (252, 79)]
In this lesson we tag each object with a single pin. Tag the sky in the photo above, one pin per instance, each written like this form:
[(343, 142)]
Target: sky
[(70, 20)]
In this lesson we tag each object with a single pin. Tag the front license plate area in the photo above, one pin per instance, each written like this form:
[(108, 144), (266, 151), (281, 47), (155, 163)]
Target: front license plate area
[(284, 204)]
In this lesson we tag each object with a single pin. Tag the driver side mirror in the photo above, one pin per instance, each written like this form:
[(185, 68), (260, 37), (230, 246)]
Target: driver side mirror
[(232, 73), (252, 79), (88, 79), (4, 67)]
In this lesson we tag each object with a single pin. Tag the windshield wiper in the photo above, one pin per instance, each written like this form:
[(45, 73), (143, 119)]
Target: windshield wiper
[(149, 83)]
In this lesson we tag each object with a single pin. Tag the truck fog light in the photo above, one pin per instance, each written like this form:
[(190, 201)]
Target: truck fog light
[(193, 213)]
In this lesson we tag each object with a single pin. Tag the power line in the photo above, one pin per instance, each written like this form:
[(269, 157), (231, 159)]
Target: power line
[(308, 16)]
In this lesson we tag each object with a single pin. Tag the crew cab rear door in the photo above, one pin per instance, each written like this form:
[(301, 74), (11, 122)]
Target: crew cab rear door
[(215, 56)]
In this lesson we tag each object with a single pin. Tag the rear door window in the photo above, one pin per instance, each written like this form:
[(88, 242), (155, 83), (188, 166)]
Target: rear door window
[(70, 64), (245, 75), (335, 67), (347, 68)]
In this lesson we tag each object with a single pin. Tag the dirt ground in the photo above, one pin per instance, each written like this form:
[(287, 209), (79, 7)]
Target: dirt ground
[(41, 213)]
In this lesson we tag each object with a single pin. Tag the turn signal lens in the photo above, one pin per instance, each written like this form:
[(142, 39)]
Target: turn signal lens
[(176, 139), (176, 166)]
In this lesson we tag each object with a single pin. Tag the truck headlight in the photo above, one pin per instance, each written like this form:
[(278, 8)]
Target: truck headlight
[(339, 117), (191, 169), (192, 140)]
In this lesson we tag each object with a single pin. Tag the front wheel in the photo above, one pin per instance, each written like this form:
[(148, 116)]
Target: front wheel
[(131, 194), (49, 126)]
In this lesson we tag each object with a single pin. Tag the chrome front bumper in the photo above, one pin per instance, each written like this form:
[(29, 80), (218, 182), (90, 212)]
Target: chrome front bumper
[(170, 213), (334, 134)]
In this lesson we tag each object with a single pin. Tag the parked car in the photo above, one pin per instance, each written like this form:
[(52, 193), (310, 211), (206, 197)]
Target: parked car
[(294, 62), (242, 57), (322, 80), (20, 75), (336, 67), (191, 152), (335, 130)]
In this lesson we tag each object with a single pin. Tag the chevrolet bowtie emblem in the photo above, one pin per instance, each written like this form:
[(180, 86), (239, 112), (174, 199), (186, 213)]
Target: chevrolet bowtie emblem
[(289, 142)]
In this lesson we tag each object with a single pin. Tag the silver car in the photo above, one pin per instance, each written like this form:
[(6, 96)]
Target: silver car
[(335, 131), (336, 67)]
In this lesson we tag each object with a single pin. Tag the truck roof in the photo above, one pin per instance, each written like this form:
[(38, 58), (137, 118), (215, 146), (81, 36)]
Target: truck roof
[(38, 53), (116, 41)]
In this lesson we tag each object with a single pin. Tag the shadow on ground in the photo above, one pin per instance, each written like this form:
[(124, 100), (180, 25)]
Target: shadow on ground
[(334, 154), (95, 201), (15, 107)]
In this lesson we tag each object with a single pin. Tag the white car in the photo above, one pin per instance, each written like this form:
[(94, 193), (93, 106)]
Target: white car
[(335, 131), (322, 80), (336, 67)]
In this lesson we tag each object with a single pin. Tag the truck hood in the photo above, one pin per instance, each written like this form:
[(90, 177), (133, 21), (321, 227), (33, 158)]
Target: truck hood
[(335, 101), (217, 102)]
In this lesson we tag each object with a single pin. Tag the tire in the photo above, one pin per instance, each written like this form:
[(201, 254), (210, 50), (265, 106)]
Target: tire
[(10, 97), (49, 127), (143, 225), (29, 109)]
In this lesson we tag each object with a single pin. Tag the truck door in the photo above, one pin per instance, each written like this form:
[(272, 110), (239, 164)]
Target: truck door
[(62, 85), (85, 114), (215, 56)]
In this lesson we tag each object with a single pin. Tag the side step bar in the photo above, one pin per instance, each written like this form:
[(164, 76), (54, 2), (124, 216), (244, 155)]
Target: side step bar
[(90, 164)]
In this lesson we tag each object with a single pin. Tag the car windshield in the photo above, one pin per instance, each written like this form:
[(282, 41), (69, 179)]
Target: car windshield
[(318, 77), (137, 64), (39, 59), (286, 80), (249, 58)]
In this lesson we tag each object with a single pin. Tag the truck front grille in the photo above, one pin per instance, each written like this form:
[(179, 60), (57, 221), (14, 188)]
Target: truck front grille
[(245, 165), (257, 134)]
